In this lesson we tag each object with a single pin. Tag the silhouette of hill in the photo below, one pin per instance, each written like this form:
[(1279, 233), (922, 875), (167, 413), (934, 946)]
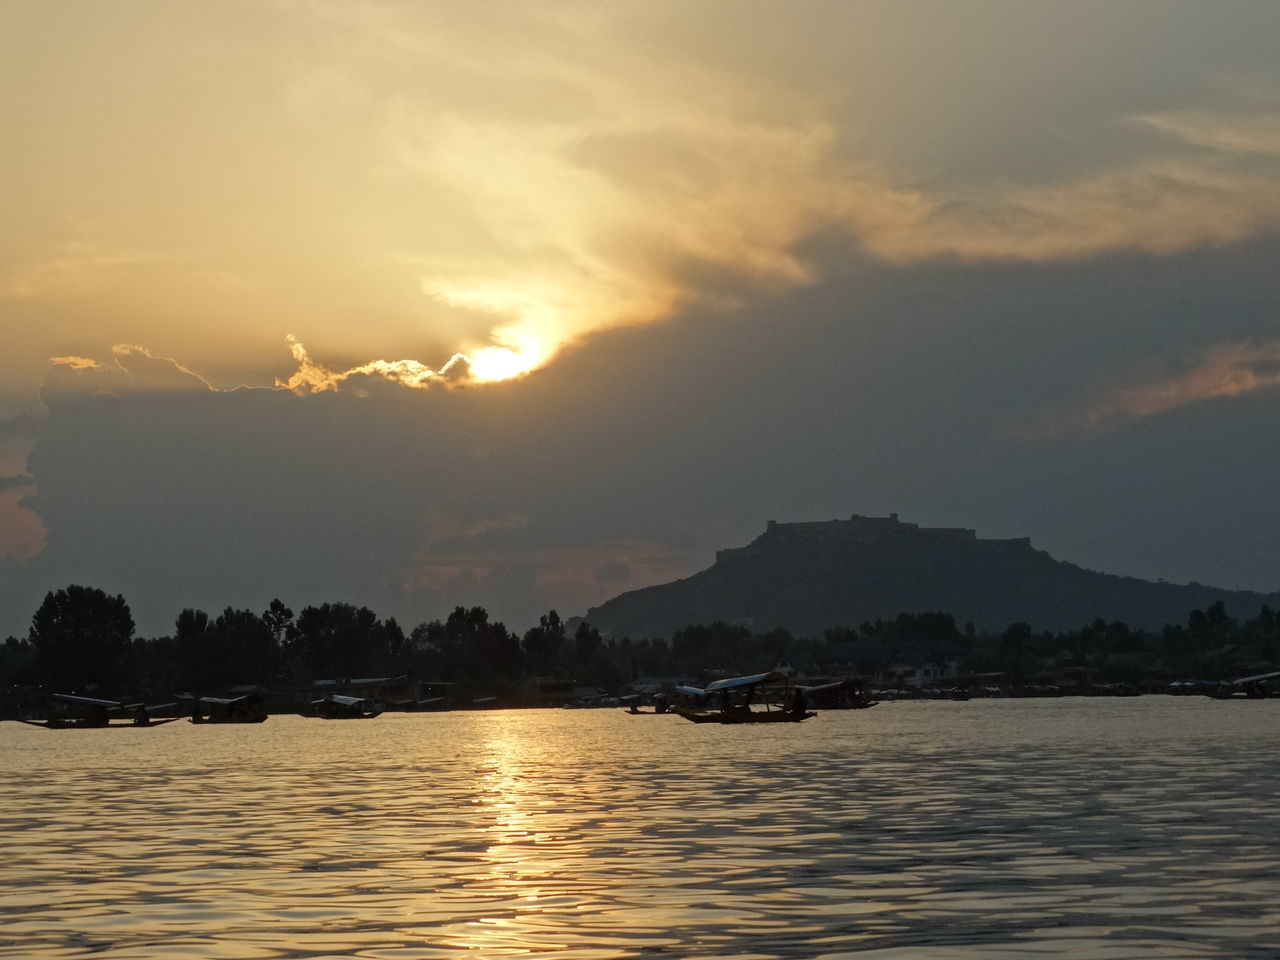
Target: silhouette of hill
[(808, 577)]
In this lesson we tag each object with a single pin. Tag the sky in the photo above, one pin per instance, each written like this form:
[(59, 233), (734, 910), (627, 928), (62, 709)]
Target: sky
[(524, 305)]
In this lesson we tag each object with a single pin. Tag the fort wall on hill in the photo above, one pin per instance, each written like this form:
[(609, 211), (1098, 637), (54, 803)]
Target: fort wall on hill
[(865, 531), (809, 576)]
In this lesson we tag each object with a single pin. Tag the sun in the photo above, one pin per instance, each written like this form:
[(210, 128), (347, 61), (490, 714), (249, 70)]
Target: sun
[(494, 363)]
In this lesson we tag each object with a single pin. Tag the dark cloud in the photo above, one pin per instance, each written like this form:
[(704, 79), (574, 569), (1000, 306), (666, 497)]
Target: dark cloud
[(613, 574), (21, 427), (633, 458)]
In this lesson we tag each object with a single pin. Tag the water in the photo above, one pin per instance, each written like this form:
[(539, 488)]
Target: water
[(1128, 828)]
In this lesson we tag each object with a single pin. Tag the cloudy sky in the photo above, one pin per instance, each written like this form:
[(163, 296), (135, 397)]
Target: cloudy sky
[(524, 305)]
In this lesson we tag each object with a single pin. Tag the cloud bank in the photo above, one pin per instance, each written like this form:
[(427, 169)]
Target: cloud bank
[(442, 196)]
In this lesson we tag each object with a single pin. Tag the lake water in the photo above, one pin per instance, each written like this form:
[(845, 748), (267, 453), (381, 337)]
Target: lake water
[(1102, 828)]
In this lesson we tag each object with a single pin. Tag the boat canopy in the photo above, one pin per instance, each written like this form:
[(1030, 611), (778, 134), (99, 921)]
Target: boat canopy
[(689, 691), (87, 701), (342, 699), (734, 683), (833, 685), (1260, 678)]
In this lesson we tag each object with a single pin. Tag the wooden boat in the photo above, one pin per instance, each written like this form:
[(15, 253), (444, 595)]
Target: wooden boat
[(337, 707), (243, 709), (633, 706), (90, 713), (735, 696), (838, 695), (1262, 686)]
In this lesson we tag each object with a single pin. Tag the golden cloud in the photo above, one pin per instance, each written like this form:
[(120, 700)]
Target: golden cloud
[(1224, 370), (494, 182), (1221, 370)]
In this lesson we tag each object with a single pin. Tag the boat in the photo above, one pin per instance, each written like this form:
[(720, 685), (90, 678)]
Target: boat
[(243, 709), (633, 706), (838, 695), (91, 713), (338, 707), (735, 698), (1261, 686)]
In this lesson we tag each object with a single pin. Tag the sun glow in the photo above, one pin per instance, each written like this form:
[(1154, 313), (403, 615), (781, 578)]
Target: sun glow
[(489, 364)]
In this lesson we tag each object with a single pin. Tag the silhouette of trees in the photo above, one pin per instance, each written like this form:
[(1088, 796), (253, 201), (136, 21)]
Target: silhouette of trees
[(205, 655), (1015, 646), (17, 662), (195, 653), (279, 620), (246, 647), (542, 645), (337, 640), (81, 636), (586, 643), (1268, 632), (479, 655)]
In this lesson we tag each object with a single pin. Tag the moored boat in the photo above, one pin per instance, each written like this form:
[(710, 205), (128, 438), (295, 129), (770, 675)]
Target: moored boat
[(73, 712), (338, 707), (244, 709), (735, 702)]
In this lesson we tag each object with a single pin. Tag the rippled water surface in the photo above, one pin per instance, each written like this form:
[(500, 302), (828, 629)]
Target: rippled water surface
[(1134, 828)]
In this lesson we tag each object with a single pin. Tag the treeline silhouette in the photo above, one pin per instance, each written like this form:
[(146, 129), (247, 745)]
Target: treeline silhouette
[(83, 639)]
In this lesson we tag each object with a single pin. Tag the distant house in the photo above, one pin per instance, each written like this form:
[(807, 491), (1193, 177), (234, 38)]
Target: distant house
[(916, 676)]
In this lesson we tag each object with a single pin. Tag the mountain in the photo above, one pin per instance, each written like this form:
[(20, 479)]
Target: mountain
[(808, 577)]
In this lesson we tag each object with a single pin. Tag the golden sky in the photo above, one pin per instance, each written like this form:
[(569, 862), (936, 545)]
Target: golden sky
[(989, 234), (402, 182)]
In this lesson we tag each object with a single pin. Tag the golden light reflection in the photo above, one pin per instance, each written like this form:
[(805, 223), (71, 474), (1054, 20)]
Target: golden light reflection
[(510, 798), (532, 828)]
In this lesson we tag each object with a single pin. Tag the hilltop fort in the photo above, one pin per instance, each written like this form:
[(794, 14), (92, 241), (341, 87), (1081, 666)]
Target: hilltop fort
[(810, 576)]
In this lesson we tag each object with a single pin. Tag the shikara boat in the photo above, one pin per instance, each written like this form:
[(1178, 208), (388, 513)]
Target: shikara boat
[(1260, 687), (337, 707), (838, 695), (90, 713), (734, 702), (244, 709), (632, 705)]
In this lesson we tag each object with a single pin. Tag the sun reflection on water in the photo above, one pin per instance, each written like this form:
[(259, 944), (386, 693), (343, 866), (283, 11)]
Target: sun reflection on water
[(969, 828)]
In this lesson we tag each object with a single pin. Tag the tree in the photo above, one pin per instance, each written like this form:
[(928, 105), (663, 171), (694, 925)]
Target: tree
[(17, 662), (1015, 645), (279, 620), (247, 647), (542, 644), (586, 641), (81, 637), (338, 640)]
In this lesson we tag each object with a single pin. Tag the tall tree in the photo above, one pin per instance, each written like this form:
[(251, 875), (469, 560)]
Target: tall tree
[(247, 646), (338, 640), (542, 644), (81, 637), (279, 619)]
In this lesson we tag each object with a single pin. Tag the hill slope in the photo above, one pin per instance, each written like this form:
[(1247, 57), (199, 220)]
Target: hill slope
[(807, 577)]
